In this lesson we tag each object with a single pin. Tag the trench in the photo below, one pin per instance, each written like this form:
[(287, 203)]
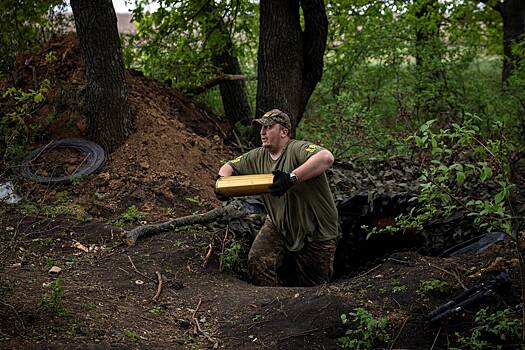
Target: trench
[(358, 214)]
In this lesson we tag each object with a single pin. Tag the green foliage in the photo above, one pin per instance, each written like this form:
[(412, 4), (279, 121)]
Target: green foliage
[(492, 331), (131, 215), (62, 205), (431, 286), (196, 200), (132, 335), (460, 161), (52, 301), (367, 332), (390, 66), (181, 38), (156, 310), (27, 24), (231, 256), (14, 129)]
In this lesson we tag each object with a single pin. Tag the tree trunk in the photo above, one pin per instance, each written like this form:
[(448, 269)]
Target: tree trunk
[(108, 114), (233, 93), (513, 15), (290, 58)]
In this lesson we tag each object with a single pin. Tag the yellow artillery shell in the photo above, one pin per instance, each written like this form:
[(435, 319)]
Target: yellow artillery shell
[(243, 185)]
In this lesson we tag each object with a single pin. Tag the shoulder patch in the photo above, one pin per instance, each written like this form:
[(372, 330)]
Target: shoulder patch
[(236, 160), (312, 148)]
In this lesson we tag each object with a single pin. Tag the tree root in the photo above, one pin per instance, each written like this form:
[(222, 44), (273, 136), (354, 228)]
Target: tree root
[(226, 212)]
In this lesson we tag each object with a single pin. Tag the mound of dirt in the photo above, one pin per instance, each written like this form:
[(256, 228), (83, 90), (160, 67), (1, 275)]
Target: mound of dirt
[(166, 167)]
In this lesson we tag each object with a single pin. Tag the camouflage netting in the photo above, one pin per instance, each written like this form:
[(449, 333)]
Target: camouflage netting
[(370, 196)]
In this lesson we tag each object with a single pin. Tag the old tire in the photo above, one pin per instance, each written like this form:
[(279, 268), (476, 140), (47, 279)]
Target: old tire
[(95, 160)]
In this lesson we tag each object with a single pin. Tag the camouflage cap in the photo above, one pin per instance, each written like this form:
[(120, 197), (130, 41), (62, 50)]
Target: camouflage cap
[(275, 116)]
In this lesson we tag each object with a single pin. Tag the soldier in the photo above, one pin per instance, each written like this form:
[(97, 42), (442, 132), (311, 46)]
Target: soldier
[(296, 244)]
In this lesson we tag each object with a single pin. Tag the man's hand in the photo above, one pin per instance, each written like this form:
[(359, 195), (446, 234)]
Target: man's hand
[(281, 183), (219, 195)]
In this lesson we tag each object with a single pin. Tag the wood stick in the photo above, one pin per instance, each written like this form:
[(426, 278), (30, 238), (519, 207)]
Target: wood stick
[(222, 247), (159, 288), (148, 230), (208, 255), (197, 329), (136, 270)]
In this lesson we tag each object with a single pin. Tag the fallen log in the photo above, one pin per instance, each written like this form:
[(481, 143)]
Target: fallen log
[(226, 212)]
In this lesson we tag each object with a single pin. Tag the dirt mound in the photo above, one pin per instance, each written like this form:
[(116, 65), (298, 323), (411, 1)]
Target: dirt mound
[(165, 168)]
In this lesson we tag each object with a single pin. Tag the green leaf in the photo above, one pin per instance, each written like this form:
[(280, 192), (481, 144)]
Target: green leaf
[(460, 177), (486, 173)]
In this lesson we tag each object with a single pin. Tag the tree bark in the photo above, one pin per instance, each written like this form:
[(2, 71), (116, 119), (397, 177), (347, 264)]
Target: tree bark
[(513, 15), (290, 57), (108, 114), (233, 93)]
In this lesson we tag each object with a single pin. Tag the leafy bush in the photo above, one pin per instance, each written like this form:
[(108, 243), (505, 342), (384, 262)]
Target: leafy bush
[(231, 256), (492, 331), (18, 106), (458, 162), (131, 215), (25, 25), (52, 301), (434, 285), (367, 332)]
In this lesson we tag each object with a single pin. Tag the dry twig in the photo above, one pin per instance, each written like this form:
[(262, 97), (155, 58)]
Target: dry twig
[(208, 255), (399, 332), (197, 327), (453, 274), (222, 246), (159, 288)]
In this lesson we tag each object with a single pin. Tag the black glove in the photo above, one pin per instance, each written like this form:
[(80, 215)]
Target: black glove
[(281, 183), (218, 195)]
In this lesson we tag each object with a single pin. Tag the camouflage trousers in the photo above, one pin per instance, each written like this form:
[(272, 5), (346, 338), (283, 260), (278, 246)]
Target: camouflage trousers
[(271, 264)]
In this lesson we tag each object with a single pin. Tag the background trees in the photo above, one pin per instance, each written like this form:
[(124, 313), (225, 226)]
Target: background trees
[(290, 58), (386, 66)]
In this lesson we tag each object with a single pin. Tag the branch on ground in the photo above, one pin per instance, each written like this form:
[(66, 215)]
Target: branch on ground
[(227, 212)]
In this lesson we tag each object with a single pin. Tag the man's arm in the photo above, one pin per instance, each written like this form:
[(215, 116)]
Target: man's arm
[(226, 170), (314, 166)]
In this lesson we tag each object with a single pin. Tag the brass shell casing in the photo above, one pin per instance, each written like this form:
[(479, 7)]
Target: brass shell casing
[(243, 185)]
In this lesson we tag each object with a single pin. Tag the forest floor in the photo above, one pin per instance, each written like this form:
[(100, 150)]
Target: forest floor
[(108, 295)]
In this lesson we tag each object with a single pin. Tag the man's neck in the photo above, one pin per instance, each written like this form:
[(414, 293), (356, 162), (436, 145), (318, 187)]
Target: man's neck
[(276, 151)]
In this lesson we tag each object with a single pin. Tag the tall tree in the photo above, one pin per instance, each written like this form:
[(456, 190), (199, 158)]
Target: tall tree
[(513, 15), (233, 93), (187, 41), (108, 114), (290, 58)]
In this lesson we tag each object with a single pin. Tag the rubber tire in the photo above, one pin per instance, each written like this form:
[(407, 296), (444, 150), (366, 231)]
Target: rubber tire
[(95, 161)]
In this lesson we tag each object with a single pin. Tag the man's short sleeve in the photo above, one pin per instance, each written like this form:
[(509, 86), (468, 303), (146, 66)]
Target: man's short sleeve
[(304, 150), (242, 164)]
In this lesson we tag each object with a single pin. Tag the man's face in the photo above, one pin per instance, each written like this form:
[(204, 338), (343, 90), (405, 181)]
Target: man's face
[(271, 135)]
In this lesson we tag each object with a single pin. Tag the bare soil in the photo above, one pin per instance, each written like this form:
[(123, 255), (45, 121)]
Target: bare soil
[(110, 295)]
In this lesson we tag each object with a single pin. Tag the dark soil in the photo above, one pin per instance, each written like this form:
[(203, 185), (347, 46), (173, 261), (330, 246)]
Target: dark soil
[(106, 298)]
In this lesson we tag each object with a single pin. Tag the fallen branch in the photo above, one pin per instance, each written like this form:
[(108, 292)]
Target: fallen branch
[(197, 327), (148, 230), (222, 247), (208, 255), (159, 288)]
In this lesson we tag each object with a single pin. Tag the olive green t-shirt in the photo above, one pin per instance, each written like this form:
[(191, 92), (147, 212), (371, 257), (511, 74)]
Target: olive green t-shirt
[(307, 210)]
